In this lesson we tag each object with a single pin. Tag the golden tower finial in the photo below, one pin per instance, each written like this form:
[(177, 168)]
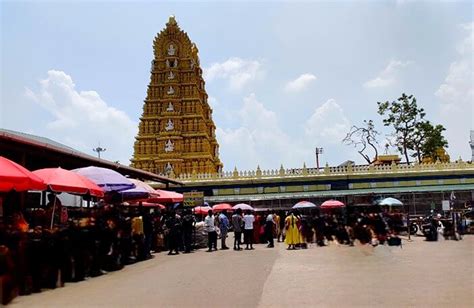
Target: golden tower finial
[(172, 20)]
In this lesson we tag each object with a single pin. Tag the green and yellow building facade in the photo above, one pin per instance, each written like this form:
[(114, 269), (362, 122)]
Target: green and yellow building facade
[(421, 185)]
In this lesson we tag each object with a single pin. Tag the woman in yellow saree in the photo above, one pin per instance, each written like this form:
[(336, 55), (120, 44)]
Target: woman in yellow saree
[(292, 233)]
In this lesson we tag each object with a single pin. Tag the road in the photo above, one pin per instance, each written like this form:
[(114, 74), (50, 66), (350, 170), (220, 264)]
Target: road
[(428, 274)]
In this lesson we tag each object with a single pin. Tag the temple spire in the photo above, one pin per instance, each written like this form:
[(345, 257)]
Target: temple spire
[(176, 130)]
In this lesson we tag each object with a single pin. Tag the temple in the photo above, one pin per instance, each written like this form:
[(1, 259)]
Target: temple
[(176, 131)]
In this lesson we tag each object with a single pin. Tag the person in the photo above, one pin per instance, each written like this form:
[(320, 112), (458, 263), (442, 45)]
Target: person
[(209, 225), (237, 223), (147, 230), (173, 224), (276, 218), (53, 210), (292, 234), (269, 225), (248, 229), (188, 225), (224, 227)]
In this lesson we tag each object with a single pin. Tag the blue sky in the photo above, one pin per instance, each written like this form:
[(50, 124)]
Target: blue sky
[(283, 77)]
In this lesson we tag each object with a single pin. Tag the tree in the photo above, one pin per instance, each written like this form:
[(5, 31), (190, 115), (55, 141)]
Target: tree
[(404, 115), (363, 137), (433, 144)]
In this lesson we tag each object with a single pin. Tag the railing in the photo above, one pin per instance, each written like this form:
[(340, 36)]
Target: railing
[(326, 171)]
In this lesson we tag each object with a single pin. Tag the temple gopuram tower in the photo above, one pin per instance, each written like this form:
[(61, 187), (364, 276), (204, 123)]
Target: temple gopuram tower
[(176, 132)]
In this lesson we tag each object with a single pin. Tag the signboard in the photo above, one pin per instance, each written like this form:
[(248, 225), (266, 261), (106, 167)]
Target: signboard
[(193, 198), (446, 205)]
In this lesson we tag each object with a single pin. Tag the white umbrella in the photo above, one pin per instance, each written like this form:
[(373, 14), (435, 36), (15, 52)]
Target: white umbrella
[(304, 205), (391, 202), (242, 206)]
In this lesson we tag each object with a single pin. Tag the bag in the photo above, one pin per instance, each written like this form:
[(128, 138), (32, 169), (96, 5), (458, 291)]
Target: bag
[(394, 241)]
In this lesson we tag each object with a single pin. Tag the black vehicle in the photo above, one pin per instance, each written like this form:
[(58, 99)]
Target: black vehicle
[(429, 227)]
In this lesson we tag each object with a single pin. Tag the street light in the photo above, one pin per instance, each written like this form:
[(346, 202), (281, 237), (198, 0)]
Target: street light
[(98, 150), (318, 152)]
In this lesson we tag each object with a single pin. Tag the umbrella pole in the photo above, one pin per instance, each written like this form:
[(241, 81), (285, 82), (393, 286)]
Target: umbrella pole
[(54, 209)]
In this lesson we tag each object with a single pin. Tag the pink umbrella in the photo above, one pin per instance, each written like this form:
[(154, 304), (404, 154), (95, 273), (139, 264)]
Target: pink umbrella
[(166, 196), (332, 204), (222, 206), (243, 207)]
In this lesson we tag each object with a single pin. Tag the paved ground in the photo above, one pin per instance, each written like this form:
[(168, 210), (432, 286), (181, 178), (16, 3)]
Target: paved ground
[(423, 274)]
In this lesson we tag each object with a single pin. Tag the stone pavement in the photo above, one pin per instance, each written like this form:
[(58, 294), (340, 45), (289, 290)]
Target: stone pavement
[(422, 274)]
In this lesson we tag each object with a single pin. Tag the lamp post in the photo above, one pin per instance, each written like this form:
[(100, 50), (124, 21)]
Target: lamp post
[(98, 150), (318, 152)]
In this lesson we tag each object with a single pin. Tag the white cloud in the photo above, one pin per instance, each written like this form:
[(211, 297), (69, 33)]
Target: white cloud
[(457, 99), (262, 140), (81, 119), (259, 140), (239, 72), (328, 124), (388, 76), (300, 83)]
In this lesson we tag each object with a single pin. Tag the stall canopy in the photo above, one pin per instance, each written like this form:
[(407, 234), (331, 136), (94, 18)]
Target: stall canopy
[(15, 177), (61, 180)]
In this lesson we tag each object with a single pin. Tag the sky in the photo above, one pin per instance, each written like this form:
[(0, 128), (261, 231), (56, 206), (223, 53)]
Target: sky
[(282, 77)]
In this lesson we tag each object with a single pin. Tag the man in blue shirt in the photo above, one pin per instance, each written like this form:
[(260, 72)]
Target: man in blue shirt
[(224, 226)]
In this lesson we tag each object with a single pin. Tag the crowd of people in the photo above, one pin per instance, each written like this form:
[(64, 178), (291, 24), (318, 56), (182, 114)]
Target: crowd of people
[(297, 229), (47, 247)]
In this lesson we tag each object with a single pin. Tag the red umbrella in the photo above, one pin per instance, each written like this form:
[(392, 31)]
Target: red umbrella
[(201, 210), (332, 204), (166, 196), (16, 177), (61, 180), (222, 206)]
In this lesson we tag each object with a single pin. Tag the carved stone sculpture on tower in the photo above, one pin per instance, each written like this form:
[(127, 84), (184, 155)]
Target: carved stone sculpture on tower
[(169, 146), (170, 107), (171, 50), (170, 90), (171, 76), (169, 126)]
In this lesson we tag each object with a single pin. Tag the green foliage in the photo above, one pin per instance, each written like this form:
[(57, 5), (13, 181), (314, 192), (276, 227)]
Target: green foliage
[(412, 132), (433, 141)]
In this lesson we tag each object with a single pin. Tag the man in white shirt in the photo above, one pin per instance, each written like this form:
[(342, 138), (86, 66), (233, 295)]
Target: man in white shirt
[(248, 229), (211, 231)]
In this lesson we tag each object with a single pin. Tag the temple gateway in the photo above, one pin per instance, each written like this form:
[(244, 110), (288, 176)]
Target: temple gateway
[(176, 133)]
